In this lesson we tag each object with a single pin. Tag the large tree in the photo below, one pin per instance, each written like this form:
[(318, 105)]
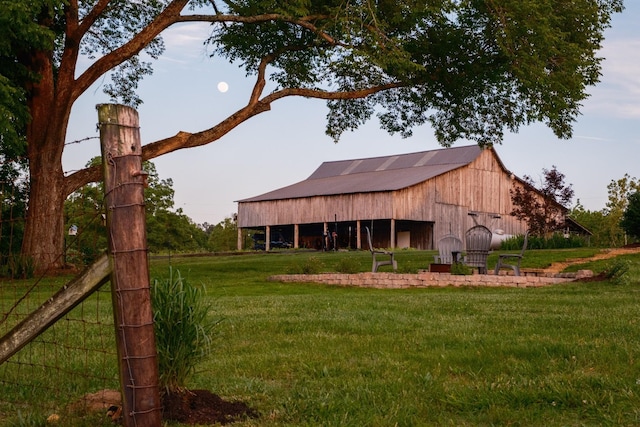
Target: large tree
[(470, 68), (619, 192)]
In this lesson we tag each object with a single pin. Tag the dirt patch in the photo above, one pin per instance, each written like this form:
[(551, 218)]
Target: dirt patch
[(605, 254), (203, 407), (597, 278)]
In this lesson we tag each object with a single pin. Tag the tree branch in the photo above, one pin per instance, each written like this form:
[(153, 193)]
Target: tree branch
[(91, 18), (165, 19), (189, 140), (303, 22)]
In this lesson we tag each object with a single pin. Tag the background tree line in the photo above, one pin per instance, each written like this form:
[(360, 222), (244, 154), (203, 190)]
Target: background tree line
[(169, 230)]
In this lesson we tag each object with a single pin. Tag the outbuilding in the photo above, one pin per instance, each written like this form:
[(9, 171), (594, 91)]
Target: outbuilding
[(406, 200)]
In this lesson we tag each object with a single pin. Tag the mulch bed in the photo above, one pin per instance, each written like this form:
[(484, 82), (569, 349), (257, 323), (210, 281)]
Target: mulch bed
[(203, 407)]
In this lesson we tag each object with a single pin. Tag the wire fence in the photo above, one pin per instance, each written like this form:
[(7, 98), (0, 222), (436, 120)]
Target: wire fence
[(65, 374)]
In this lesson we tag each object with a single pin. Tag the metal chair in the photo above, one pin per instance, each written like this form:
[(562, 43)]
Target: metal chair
[(449, 249), (374, 252), (513, 258), (478, 242)]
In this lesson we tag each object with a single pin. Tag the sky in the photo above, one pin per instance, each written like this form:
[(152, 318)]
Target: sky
[(285, 145)]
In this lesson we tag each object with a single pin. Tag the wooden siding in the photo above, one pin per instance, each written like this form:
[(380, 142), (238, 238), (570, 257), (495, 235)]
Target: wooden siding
[(483, 186), (345, 207)]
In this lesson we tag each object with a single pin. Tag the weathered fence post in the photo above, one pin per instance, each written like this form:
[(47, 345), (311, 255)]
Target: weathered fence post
[(124, 183)]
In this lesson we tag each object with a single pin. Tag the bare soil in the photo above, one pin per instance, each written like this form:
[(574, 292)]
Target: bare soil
[(605, 254), (203, 407)]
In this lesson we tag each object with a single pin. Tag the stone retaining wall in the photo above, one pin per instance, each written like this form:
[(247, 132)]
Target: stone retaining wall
[(424, 279)]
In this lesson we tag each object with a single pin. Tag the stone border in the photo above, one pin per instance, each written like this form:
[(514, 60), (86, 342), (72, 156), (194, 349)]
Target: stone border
[(425, 279)]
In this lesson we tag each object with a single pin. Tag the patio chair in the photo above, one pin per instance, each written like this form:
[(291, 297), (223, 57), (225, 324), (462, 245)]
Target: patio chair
[(514, 259), (478, 242), (449, 249), (374, 252)]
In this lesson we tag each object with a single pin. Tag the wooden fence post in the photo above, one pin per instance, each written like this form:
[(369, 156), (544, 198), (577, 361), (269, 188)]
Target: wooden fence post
[(124, 183)]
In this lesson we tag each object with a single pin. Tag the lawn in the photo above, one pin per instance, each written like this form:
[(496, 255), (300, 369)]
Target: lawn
[(308, 355)]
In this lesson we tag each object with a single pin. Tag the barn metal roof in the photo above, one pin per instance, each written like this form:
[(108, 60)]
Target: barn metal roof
[(388, 173)]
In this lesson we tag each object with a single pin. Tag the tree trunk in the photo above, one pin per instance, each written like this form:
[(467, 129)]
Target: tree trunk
[(44, 228)]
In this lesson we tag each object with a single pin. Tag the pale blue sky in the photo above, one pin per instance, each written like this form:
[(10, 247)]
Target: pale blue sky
[(286, 144)]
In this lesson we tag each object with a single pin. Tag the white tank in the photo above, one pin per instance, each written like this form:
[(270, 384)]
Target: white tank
[(497, 237)]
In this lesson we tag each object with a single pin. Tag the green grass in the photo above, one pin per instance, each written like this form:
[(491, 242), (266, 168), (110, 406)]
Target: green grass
[(308, 354)]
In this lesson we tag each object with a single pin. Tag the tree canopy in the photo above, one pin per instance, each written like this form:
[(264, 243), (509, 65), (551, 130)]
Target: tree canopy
[(471, 69), (630, 222)]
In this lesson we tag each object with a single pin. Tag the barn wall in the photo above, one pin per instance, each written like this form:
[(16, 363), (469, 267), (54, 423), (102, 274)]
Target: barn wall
[(316, 209)]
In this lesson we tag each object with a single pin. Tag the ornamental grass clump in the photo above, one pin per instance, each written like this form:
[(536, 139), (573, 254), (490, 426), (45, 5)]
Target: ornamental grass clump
[(617, 272), (183, 329)]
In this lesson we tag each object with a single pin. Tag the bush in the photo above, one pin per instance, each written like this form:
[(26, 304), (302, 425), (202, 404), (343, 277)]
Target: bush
[(182, 327), (20, 267), (312, 265), (556, 241), (348, 265), (460, 269), (408, 267), (617, 270)]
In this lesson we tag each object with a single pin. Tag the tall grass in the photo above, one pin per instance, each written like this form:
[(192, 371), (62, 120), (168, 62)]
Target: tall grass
[(183, 329)]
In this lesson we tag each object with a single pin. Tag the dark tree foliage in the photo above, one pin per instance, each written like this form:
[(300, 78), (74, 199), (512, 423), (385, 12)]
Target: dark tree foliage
[(223, 236), (543, 208), (631, 218)]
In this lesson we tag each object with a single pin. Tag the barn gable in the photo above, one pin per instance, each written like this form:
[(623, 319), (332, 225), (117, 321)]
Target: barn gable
[(410, 199)]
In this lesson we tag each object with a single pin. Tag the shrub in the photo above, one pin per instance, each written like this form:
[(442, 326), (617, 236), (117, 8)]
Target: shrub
[(348, 265), (407, 267), (182, 327), (460, 269), (312, 265), (20, 267), (556, 241), (617, 270)]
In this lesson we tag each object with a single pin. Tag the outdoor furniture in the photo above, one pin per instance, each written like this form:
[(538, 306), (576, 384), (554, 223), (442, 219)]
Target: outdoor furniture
[(478, 242), (514, 259), (374, 252), (449, 249)]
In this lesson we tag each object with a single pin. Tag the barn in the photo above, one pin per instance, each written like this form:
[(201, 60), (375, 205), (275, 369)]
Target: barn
[(406, 200)]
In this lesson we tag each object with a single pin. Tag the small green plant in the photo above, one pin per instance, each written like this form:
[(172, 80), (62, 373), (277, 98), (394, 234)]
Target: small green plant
[(21, 267), (460, 269), (348, 265), (312, 265), (183, 329), (408, 267), (617, 270)]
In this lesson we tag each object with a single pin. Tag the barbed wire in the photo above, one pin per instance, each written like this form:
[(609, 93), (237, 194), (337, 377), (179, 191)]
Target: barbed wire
[(78, 141)]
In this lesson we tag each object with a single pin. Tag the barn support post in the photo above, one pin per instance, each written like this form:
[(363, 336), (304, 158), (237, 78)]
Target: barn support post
[(240, 241), (358, 235), (124, 183), (296, 236), (267, 238), (393, 233)]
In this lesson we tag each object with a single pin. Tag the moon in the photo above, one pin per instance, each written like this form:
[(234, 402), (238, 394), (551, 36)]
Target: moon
[(223, 87)]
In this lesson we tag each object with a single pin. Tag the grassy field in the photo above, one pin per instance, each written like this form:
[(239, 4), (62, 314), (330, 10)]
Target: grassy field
[(309, 355)]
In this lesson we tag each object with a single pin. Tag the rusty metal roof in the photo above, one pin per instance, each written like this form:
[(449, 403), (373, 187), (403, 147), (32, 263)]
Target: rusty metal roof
[(375, 174)]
